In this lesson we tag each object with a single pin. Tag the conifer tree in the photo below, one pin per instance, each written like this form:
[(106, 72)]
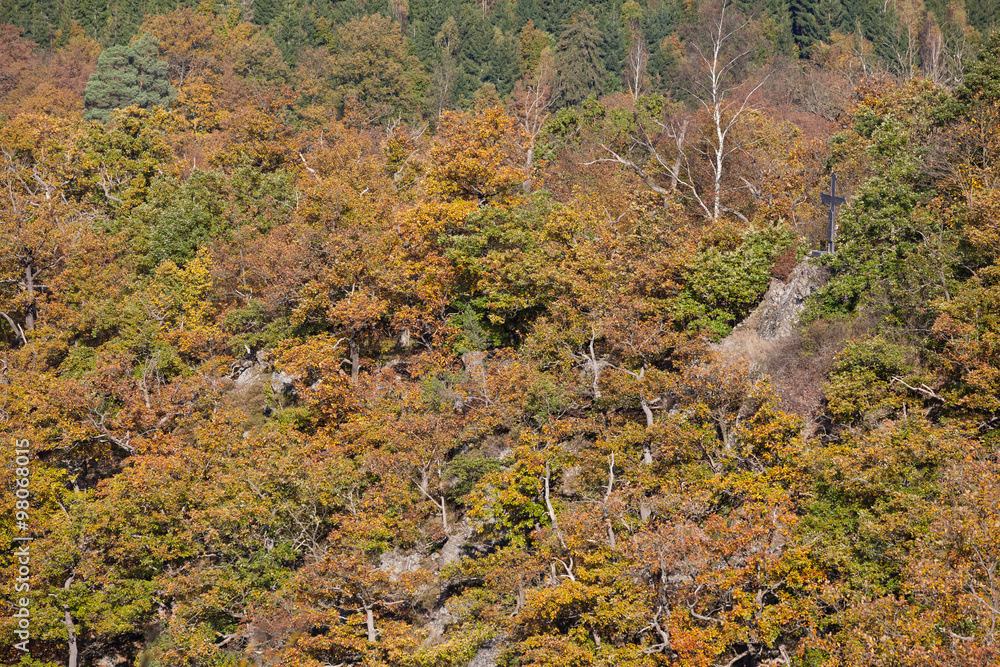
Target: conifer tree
[(814, 20), (982, 77), (579, 60), (984, 15), (128, 75), (265, 11), (805, 24), (36, 17)]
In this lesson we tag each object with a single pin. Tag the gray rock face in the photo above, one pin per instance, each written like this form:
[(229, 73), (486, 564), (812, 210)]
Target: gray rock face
[(396, 563), (779, 312), (452, 550), (440, 619), (282, 383), (488, 654), (249, 377)]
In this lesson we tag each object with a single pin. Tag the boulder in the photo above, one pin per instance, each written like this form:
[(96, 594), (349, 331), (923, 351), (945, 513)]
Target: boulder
[(248, 378)]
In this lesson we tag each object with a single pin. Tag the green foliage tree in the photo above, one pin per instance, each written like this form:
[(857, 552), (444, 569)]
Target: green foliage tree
[(982, 77), (812, 21), (897, 248), (374, 70), (126, 76), (726, 284), (580, 60)]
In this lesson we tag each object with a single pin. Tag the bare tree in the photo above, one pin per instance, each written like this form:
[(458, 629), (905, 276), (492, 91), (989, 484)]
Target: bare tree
[(722, 95), (532, 100), (661, 145), (635, 67), (910, 16), (444, 73)]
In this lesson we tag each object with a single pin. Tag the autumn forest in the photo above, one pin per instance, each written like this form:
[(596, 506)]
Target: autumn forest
[(498, 333)]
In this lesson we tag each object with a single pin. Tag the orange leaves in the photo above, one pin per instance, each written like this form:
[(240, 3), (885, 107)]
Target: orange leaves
[(778, 172), (187, 39), (40, 228), (968, 331), (975, 141), (357, 310), (257, 135), (478, 156)]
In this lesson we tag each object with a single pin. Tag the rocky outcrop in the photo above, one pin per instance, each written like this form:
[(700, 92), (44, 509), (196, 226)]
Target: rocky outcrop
[(488, 654), (778, 313), (770, 343), (452, 550), (282, 383), (396, 563), (247, 379)]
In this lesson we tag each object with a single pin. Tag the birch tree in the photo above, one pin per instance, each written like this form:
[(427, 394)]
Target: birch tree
[(664, 144), (724, 95)]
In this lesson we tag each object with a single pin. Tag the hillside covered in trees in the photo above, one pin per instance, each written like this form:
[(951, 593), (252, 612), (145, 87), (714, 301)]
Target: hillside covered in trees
[(409, 334)]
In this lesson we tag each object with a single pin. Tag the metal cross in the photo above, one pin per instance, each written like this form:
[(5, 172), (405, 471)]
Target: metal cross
[(834, 201)]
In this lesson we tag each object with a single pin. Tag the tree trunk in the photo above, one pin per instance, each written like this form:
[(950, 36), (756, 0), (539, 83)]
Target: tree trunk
[(548, 506), (71, 639), (70, 631), (528, 162), (29, 290), (370, 620), (647, 452), (355, 360), (444, 515)]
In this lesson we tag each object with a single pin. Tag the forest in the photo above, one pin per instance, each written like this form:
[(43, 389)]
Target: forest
[(442, 333)]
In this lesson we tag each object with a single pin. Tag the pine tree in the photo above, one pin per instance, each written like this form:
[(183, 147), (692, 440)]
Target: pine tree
[(805, 24), (614, 46), (92, 15), (814, 21), (502, 69), (833, 16), (128, 75), (984, 15), (552, 15), (982, 77), (265, 11), (780, 32), (579, 60), (867, 15), (123, 19), (44, 14)]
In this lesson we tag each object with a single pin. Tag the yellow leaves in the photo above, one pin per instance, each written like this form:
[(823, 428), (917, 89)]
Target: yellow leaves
[(357, 310), (180, 300), (550, 651), (478, 156), (427, 220), (197, 102), (608, 607), (782, 172)]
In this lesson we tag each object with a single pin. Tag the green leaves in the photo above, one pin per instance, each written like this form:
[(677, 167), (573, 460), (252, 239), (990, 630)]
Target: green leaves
[(724, 285), (127, 76), (861, 383)]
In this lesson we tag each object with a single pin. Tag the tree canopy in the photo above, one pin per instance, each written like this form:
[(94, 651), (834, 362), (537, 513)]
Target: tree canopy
[(429, 334)]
